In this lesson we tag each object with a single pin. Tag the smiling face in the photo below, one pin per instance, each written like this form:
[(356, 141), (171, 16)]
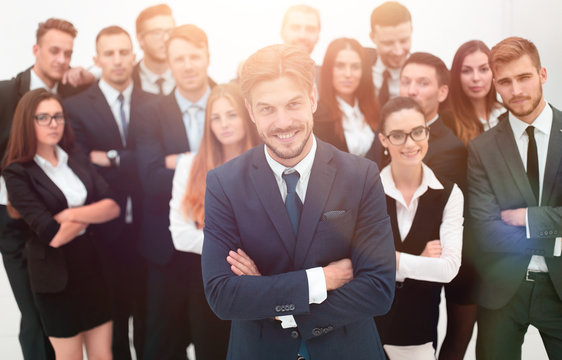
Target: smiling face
[(519, 83), (393, 43), (50, 135), (411, 153), (476, 75), (282, 111), (226, 123), (346, 74)]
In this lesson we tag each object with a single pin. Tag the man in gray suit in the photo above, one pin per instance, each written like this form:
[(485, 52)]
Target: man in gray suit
[(515, 210)]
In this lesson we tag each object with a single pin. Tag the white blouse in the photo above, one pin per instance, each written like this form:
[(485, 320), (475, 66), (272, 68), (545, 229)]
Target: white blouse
[(493, 119), (446, 267), (64, 178), (185, 235), (358, 134)]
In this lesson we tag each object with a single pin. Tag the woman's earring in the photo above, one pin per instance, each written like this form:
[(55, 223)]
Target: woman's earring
[(385, 152)]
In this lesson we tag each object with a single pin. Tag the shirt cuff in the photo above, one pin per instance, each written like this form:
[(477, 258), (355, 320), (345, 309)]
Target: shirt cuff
[(527, 231), (558, 246), (317, 292), (287, 321)]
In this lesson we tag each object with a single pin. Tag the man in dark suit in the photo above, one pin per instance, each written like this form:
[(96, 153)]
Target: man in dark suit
[(515, 207), (391, 32), (166, 129), (101, 118), (326, 272), (52, 51), (152, 74)]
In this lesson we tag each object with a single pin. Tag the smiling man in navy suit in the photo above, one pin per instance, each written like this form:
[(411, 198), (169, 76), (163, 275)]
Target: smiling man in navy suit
[(298, 248)]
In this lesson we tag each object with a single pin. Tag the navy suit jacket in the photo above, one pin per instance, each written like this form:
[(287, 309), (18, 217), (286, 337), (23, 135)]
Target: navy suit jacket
[(159, 132), (497, 181), (344, 216), (95, 128)]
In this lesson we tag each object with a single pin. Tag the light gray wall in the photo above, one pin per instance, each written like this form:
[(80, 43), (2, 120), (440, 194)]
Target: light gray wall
[(236, 28)]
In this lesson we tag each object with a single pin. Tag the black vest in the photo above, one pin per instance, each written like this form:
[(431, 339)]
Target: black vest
[(413, 317)]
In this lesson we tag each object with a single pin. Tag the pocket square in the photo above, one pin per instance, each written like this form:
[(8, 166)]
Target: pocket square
[(332, 215)]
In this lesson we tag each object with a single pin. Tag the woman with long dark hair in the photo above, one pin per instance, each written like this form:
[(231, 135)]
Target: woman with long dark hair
[(228, 132), (473, 98), (59, 194), (348, 109)]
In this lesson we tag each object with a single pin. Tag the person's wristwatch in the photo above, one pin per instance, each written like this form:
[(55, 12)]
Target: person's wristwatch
[(112, 156)]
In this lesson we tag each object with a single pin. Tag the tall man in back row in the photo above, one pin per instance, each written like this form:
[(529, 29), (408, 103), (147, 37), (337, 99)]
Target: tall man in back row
[(312, 219), (515, 208)]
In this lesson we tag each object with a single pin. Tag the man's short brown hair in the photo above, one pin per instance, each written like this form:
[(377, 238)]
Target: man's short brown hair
[(191, 34), (390, 13), (301, 8), (112, 30), (150, 12), (55, 24), (275, 61), (511, 49)]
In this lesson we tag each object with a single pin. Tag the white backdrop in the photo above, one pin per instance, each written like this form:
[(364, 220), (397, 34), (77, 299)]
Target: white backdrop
[(236, 28)]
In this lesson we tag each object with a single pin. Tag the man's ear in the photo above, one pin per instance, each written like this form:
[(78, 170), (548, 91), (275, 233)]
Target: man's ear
[(249, 109), (442, 93)]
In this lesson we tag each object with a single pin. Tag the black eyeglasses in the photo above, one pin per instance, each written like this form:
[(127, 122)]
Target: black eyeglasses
[(45, 119), (419, 133)]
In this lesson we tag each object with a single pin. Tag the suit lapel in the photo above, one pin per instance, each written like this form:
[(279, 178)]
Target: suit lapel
[(266, 187), (554, 157), (43, 180), (24, 82), (107, 122), (508, 148), (82, 174), (321, 178)]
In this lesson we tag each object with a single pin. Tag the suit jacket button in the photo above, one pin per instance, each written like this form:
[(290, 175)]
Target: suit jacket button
[(292, 307), (541, 233), (317, 332), (294, 334), (330, 328), (278, 308), (551, 232)]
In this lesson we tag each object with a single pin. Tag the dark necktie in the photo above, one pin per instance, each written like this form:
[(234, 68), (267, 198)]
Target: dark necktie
[(533, 162), (292, 201), (384, 93), (160, 82), (124, 123)]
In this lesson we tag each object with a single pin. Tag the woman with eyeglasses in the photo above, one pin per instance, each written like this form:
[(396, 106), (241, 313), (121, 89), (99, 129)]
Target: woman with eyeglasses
[(426, 214), (59, 195)]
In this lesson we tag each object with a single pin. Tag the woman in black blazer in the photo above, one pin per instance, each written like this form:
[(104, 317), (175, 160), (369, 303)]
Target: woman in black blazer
[(348, 109), (58, 194)]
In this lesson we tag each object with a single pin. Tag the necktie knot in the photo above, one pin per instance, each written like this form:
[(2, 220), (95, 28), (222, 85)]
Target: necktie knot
[(121, 98), (530, 130), (160, 83), (291, 180)]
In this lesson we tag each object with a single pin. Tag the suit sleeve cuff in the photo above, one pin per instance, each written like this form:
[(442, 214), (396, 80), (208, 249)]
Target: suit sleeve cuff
[(317, 292)]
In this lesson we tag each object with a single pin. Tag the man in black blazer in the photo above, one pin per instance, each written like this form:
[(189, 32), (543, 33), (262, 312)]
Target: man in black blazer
[(297, 211), (391, 32), (101, 118), (168, 128), (153, 26), (52, 50), (515, 207)]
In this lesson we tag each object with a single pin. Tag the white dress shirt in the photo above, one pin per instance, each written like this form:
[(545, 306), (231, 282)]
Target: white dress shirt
[(358, 134), (65, 179), (185, 235), (393, 80), (542, 124), (111, 96), (184, 105), (148, 80), (446, 267), (35, 82), (493, 118), (317, 292)]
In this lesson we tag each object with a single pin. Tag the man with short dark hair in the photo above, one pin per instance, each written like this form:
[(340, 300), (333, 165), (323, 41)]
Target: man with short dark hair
[(391, 32), (52, 51), (298, 248), (101, 118), (301, 27), (153, 27), (515, 208), (168, 128)]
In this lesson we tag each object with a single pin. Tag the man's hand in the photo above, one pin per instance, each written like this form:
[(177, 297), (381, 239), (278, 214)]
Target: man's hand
[(172, 160), (241, 263), (514, 217), (78, 76), (338, 273), (432, 249), (99, 158)]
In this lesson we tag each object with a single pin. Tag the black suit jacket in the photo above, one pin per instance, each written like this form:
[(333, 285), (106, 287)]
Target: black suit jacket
[(11, 91), (32, 193), (446, 154), (95, 128), (497, 181), (159, 131), (343, 216)]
